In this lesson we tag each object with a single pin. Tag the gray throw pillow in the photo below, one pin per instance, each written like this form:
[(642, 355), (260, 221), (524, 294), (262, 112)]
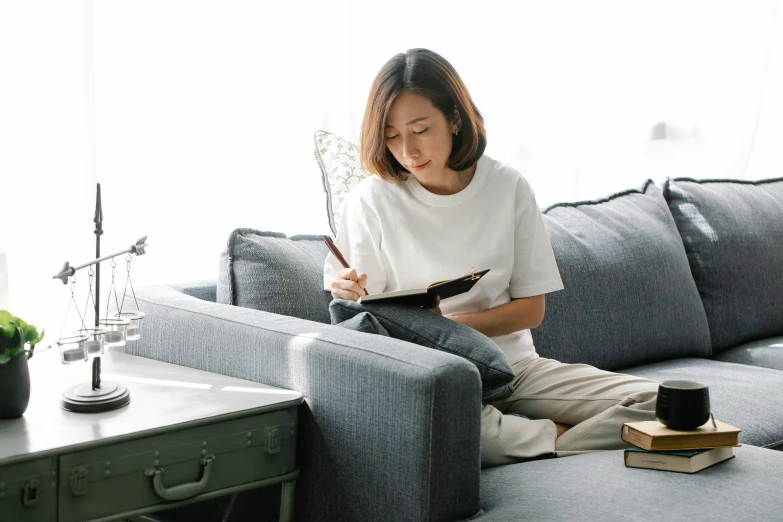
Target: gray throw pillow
[(423, 327), (364, 322), (271, 272), (733, 235), (629, 297)]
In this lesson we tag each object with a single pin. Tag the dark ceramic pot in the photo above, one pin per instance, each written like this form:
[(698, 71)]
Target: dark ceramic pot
[(682, 405), (14, 384)]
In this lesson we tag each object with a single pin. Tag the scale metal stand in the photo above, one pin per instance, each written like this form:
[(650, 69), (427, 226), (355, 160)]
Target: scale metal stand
[(97, 396)]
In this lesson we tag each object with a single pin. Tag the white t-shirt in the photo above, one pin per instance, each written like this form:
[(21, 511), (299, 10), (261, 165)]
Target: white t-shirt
[(404, 236)]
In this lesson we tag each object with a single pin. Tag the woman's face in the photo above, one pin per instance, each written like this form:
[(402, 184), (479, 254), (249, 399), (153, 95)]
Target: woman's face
[(419, 136)]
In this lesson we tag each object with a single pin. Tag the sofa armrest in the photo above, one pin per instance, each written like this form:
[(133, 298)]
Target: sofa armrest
[(389, 430)]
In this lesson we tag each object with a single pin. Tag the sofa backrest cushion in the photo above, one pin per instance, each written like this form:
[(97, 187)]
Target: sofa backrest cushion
[(733, 234), (629, 297), (271, 272), (421, 326)]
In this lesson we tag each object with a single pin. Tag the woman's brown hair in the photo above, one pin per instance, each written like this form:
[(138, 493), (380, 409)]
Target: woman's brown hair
[(423, 72)]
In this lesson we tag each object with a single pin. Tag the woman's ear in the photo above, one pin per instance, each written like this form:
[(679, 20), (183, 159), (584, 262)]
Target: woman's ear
[(456, 121)]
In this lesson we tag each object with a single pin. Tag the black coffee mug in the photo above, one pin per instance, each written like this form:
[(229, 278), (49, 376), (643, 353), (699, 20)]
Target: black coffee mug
[(682, 405)]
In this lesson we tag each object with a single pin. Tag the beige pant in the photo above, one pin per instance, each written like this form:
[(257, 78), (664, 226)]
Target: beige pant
[(595, 402)]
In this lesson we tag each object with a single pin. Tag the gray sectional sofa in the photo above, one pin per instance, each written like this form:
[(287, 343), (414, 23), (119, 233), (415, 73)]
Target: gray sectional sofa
[(682, 281)]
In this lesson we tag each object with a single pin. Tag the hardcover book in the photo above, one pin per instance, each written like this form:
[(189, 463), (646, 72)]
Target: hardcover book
[(427, 296), (691, 461), (654, 436)]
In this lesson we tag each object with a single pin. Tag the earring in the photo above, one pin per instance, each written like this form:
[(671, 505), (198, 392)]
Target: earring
[(456, 132)]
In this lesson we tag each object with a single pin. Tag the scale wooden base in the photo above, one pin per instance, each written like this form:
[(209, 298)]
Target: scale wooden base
[(83, 399)]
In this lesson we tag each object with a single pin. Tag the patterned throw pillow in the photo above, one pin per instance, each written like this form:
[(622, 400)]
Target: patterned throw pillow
[(338, 160)]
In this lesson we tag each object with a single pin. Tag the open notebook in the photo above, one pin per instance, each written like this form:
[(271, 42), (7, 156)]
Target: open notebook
[(427, 296)]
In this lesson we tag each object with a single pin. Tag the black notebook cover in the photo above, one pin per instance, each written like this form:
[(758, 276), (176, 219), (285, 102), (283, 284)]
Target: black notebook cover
[(426, 296)]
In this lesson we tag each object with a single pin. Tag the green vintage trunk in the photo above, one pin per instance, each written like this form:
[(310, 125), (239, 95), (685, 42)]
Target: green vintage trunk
[(28, 491), (189, 464)]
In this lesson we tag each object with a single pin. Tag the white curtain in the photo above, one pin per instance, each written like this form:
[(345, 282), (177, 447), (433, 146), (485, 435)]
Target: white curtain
[(197, 117), (765, 158)]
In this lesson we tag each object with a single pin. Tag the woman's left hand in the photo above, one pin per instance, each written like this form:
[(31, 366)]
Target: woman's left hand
[(435, 308)]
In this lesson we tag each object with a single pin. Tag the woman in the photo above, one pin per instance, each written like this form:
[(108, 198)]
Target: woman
[(435, 206)]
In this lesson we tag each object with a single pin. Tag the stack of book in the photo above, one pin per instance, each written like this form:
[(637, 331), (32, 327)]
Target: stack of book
[(658, 447)]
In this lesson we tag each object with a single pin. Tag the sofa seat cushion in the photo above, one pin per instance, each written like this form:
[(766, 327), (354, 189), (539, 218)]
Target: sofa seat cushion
[(274, 273), (767, 353), (733, 233), (598, 486), (629, 296), (748, 397)]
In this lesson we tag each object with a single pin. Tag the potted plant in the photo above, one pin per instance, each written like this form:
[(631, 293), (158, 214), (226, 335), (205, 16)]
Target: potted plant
[(15, 337)]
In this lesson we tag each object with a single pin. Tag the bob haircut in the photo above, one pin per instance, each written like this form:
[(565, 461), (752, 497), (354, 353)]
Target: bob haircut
[(423, 72)]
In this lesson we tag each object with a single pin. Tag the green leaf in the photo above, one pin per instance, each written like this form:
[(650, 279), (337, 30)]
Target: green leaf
[(16, 351), (31, 334), (9, 325), (7, 330), (5, 356), (5, 317)]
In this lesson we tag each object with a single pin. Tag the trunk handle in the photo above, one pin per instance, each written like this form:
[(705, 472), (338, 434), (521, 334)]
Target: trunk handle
[(182, 491)]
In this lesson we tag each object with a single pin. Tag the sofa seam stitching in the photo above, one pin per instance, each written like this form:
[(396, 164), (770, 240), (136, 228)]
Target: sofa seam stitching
[(735, 181), (771, 444), (570, 204)]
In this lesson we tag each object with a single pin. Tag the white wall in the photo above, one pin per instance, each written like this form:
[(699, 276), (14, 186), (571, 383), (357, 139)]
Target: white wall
[(197, 117), (46, 151), (206, 110)]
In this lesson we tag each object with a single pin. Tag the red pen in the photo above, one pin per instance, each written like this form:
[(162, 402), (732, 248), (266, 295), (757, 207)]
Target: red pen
[(336, 252)]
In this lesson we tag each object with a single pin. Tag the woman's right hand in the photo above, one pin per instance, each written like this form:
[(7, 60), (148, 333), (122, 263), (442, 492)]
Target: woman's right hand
[(348, 284)]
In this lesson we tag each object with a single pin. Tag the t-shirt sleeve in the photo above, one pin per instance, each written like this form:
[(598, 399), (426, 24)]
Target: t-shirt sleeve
[(535, 270), (359, 241)]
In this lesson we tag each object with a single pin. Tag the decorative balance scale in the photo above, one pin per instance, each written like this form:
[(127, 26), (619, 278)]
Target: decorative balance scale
[(111, 331)]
